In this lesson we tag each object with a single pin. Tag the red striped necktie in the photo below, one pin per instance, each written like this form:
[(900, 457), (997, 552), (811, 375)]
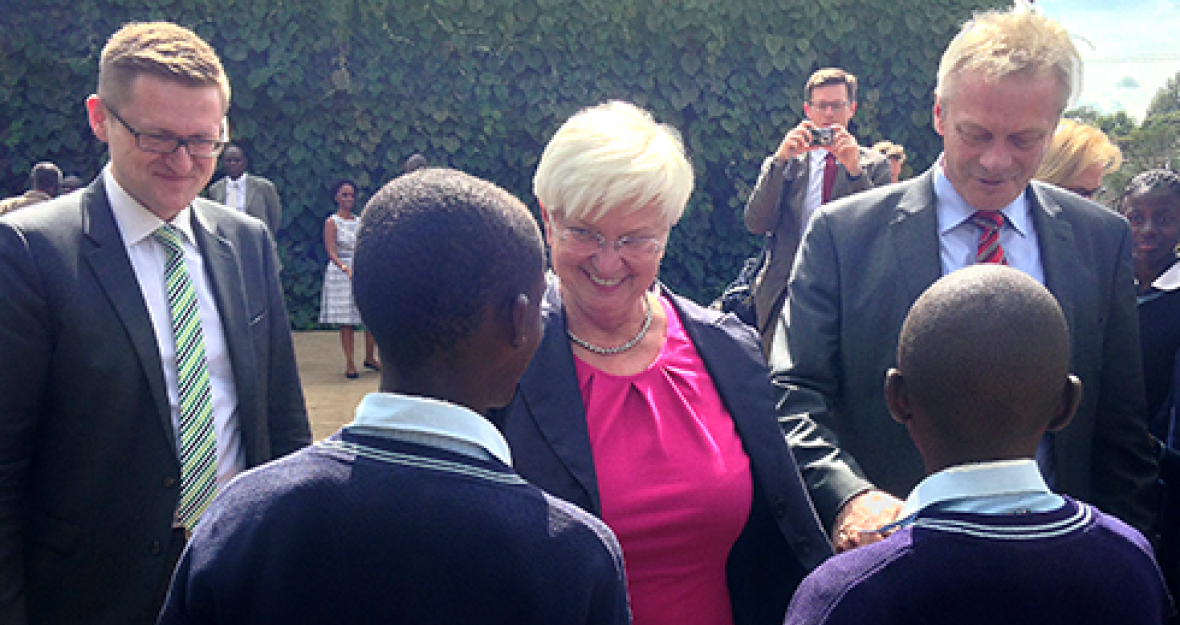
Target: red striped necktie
[(989, 251)]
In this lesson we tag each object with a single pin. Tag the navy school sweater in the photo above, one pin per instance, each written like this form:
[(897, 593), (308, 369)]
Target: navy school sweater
[(360, 529)]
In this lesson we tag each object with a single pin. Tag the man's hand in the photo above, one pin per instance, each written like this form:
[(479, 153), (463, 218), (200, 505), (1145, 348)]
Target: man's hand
[(796, 141), (846, 150), (844, 146), (856, 524)]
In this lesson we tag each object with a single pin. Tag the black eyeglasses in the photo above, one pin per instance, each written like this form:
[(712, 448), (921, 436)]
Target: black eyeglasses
[(197, 147)]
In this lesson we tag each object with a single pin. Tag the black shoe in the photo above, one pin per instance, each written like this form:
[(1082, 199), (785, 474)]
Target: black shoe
[(372, 365), (352, 375)]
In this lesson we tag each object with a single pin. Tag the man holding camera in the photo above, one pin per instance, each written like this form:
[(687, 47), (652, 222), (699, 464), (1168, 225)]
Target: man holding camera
[(817, 161)]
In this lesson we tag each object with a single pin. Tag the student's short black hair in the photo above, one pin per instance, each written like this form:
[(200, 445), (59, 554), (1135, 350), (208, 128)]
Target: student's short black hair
[(436, 248), (984, 348)]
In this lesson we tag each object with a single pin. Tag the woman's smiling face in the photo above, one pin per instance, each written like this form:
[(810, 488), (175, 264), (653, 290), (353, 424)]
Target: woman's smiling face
[(602, 280)]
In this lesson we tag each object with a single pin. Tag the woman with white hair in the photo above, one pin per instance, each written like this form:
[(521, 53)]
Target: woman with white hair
[(646, 409)]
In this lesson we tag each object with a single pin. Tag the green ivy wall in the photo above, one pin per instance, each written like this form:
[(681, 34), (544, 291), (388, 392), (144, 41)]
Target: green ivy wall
[(330, 88)]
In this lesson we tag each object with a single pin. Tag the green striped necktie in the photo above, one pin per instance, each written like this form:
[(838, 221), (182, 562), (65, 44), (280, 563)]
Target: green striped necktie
[(198, 444)]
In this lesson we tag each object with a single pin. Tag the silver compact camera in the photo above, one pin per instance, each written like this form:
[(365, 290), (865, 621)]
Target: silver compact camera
[(821, 136)]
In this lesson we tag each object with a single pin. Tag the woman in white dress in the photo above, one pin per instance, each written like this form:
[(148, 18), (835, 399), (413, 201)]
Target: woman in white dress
[(336, 304)]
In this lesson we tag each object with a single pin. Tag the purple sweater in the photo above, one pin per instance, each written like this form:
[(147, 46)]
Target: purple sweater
[(1074, 565)]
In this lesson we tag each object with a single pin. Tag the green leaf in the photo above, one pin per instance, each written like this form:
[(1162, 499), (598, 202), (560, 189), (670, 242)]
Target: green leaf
[(773, 43)]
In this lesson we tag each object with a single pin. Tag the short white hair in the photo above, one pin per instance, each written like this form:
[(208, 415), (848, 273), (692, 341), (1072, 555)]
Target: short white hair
[(1004, 43), (613, 155)]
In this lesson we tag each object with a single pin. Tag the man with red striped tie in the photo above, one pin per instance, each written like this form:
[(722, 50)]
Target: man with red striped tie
[(1002, 86), (817, 161)]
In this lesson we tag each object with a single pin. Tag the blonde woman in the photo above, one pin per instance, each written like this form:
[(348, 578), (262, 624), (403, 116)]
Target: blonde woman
[(1078, 158)]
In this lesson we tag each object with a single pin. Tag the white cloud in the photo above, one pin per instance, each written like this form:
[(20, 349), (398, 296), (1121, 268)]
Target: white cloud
[(1130, 48)]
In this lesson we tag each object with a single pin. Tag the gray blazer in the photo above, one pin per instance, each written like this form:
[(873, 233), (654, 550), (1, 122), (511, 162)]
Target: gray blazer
[(864, 262), (775, 208), (262, 200), (89, 471)]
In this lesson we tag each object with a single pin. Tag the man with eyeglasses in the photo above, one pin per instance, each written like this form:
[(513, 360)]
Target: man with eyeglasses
[(817, 161), (147, 355)]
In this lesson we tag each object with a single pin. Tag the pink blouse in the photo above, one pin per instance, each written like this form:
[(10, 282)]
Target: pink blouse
[(673, 478)]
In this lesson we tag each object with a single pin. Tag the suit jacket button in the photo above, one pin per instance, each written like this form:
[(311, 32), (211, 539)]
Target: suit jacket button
[(780, 508), (169, 482), (156, 548)]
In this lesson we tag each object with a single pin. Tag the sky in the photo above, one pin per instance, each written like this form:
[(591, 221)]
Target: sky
[(1130, 49)]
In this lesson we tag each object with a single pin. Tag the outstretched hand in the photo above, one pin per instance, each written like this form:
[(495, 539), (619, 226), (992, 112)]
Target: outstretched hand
[(858, 522)]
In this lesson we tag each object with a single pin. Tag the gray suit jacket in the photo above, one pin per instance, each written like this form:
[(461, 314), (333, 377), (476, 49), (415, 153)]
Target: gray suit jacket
[(775, 208), (262, 200), (89, 472), (864, 262)]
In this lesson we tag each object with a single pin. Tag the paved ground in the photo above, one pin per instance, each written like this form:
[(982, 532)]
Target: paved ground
[(330, 396)]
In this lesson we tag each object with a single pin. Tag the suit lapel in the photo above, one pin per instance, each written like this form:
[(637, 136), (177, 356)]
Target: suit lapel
[(745, 397), (798, 181), (840, 188), (1059, 254), (251, 188), (913, 234), (228, 285), (106, 255), (550, 387)]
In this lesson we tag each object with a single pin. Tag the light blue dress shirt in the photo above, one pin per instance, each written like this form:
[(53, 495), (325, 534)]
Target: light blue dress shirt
[(432, 422), (958, 238)]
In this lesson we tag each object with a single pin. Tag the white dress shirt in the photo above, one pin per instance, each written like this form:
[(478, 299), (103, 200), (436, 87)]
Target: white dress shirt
[(148, 256), (815, 187), (235, 192)]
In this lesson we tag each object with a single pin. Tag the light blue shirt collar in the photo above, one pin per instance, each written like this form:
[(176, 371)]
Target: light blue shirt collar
[(999, 487), (953, 210), (431, 422), (958, 238)]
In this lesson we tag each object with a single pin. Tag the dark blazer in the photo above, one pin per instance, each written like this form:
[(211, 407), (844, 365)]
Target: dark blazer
[(775, 208), (89, 473), (546, 428), (1168, 552), (262, 200), (864, 262)]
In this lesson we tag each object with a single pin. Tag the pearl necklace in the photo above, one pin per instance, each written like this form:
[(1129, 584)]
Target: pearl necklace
[(610, 351)]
